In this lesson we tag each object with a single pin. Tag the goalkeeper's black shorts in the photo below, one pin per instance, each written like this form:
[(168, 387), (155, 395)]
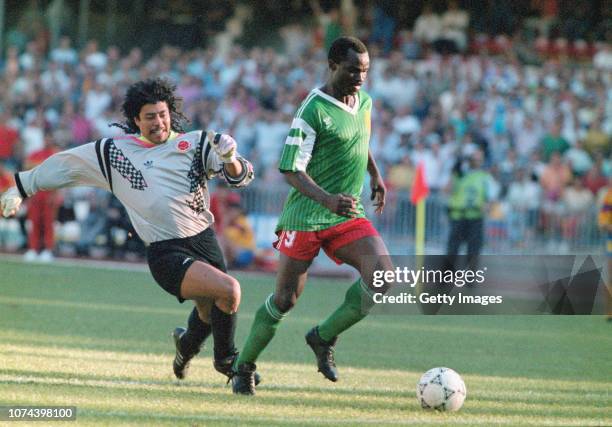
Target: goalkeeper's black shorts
[(169, 260)]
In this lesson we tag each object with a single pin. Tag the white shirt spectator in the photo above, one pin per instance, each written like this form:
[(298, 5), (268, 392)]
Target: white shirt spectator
[(428, 27), (96, 101), (33, 137), (493, 189), (64, 53), (603, 58), (28, 59), (577, 199), (579, 159), (406, 123), (55, 80), (432, 165), (527, 138), (523, 195), (393, 89), (454, 26), (270, 135), (393, 150), (96, 60)]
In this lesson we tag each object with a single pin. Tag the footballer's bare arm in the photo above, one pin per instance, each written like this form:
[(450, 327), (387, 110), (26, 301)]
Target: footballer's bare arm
[(233, 169), (340, 204), (377, 184)]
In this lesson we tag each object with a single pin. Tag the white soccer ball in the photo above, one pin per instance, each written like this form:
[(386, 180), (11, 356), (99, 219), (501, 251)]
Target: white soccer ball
[(441, 389)]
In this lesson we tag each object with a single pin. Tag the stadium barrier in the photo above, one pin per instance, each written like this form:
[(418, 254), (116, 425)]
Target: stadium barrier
[(507, 231)]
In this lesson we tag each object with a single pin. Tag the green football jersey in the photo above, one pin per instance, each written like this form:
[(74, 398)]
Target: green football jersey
[(329, 141)]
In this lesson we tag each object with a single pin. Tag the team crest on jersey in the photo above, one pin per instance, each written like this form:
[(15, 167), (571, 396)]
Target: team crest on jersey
[(328, 121), (183, 145)]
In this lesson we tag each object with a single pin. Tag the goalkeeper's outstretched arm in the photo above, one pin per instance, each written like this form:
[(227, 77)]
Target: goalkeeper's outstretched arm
[(78, 166)]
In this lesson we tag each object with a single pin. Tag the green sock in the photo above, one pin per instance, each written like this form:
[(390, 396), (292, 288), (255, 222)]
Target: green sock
[(263, 329), (350, 312)]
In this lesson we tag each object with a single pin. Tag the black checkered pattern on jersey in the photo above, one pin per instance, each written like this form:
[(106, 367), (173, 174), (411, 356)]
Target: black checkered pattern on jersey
[(197, 178), (127, 170)]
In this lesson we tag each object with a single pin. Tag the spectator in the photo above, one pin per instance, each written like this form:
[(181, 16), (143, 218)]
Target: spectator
[(6, 177), (555, 176), (594, 180), (94, 226), (9, 137), (97, 100), (605, 223), (467, 207), (219, 202), (603, 58), (527, 136), (453, 37), (42, 209), (33, 135), (410, 47), (6, 181), (523, 200), (64, 53), (576, 202), (579, 159), (383, 24), (92, 56), (596, 140), (401, 175), (329, 23), (238, 241), (428, 26), (553, 142)]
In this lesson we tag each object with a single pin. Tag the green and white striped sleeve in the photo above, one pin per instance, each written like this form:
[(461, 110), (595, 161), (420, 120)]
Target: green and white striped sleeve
[(298, 146)]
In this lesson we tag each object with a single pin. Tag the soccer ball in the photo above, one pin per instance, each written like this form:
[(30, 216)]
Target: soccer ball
[(441, 389)]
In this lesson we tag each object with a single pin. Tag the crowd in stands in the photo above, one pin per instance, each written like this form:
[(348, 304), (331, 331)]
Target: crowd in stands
[(545, 129)]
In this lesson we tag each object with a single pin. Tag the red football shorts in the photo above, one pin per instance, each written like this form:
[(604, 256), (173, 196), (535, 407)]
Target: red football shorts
[(305, 245)]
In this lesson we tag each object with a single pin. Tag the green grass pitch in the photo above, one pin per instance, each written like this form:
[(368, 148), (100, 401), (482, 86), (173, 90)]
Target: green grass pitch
[(100, 340)]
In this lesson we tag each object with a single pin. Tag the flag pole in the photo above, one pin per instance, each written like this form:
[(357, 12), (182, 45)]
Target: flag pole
[(419, 241), (418, 197)]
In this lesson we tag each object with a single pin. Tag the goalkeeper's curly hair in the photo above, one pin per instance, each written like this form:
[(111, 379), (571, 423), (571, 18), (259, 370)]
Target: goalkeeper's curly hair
[(151, 91)]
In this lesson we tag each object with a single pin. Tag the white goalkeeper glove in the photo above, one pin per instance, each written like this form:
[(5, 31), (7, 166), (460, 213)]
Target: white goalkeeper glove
[(10, 202), (224, 146)]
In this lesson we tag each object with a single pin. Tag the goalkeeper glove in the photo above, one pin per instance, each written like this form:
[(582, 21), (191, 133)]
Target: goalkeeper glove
[(224, 146), (10, 202)]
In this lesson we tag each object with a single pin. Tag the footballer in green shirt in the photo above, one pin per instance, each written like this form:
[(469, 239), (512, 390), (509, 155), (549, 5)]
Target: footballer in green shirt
[(325, 160)]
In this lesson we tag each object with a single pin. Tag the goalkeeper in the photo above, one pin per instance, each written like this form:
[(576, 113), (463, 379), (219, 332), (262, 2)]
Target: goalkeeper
[(160, 175), (325, 159)]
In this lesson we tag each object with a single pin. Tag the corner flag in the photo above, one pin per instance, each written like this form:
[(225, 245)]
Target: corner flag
[(419, 188)]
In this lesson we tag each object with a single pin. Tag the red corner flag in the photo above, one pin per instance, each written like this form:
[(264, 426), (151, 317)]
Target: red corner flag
[(419, 187)]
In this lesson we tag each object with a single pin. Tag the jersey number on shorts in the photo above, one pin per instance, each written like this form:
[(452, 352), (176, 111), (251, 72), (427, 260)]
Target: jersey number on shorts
[(289, 238)]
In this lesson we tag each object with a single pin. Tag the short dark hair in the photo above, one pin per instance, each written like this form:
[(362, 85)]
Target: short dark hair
[(151, 91), (340, 47)]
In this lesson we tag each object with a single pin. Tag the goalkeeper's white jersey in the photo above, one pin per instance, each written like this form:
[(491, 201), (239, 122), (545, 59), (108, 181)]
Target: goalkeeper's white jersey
[(163, 187)]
